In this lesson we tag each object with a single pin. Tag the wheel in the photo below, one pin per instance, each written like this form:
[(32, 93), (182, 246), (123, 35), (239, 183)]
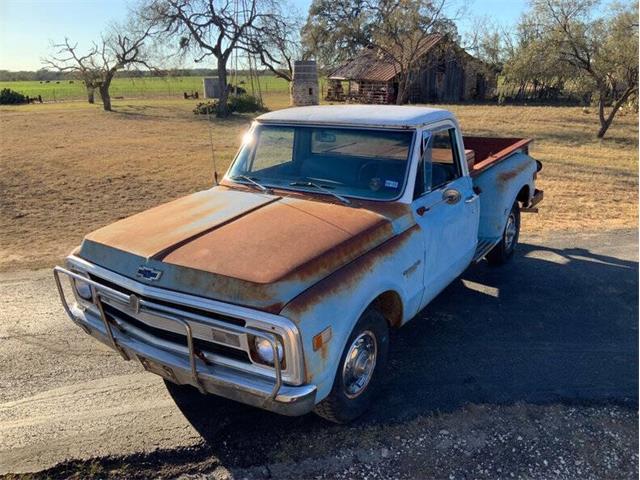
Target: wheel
[(360, 370), (503, 251)]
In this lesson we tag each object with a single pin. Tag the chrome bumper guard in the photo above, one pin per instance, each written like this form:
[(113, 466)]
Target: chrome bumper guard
[(239, 386)]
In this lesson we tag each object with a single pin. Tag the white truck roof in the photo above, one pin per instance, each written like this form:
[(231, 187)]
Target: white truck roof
[(393, 116)]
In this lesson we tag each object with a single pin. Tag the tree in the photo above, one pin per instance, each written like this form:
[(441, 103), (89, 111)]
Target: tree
[(206, 29), (336, 30), (276, 43), (121, 48), (399, 31), (404, 31), (605, 50), (67, 59)]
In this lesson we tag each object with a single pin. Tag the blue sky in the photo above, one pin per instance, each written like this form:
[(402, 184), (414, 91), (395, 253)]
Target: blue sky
[(27, 27)]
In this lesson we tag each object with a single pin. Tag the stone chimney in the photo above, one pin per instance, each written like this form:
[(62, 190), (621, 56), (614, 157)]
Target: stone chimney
[(304, 87)]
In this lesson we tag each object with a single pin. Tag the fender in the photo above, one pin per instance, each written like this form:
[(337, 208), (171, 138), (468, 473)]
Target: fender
[(500, 186), (339, 300)]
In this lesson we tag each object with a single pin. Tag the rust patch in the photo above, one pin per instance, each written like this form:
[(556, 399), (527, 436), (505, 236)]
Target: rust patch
[(293, 240), (505, 177), (162, 227), (349, 276)]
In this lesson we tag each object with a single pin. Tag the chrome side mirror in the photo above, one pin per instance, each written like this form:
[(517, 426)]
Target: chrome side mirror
[(451, 196)]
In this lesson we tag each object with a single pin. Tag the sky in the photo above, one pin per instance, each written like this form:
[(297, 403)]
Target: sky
[(28, 27)]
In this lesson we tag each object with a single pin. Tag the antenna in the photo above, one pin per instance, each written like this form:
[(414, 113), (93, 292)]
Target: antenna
[(213, 156)]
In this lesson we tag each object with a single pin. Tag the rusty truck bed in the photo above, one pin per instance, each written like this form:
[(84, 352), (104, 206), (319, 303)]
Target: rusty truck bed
[(484, 152)]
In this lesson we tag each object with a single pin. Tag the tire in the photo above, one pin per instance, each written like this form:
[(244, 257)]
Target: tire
[(503, 251), (350, 398)]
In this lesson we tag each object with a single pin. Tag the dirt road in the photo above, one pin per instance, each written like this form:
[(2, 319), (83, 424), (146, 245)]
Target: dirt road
[(556, 326)]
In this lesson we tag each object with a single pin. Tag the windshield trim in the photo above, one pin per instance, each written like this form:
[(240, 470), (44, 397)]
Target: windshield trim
[(407, 172)]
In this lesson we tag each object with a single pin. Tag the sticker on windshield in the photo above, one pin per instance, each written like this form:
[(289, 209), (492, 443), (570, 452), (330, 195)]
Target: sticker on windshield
[(390, 184)]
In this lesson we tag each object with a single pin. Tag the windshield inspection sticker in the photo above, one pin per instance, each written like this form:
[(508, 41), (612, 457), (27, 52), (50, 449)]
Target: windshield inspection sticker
[(390, 184)]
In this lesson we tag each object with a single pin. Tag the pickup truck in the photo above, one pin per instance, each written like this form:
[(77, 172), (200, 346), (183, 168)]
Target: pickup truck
[(278, 287)]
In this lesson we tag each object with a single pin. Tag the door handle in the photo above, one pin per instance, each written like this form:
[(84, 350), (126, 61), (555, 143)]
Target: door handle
[(421, 210), (471, 199)]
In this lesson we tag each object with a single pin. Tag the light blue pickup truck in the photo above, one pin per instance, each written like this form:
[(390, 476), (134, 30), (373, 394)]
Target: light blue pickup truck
[(279, 286)]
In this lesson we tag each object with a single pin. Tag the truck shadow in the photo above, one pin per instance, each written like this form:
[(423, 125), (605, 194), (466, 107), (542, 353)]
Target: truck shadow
[(554, 325)]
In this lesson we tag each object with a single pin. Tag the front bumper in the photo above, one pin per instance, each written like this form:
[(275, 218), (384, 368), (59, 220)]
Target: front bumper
[(189, 369)]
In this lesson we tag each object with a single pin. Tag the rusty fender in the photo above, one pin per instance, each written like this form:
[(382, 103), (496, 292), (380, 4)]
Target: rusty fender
[(395, 268), (500, 186)]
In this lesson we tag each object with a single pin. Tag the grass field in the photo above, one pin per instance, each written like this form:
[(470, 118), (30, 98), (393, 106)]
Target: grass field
[(68, 168), (64, 90)]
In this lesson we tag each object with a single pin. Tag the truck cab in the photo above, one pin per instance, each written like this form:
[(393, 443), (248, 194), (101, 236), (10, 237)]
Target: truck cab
[(279, 286)]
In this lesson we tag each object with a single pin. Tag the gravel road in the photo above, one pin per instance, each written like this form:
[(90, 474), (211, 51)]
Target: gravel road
[(524, 370)]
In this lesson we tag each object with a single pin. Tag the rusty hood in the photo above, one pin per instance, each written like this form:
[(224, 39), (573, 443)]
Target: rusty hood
[(252, 249)]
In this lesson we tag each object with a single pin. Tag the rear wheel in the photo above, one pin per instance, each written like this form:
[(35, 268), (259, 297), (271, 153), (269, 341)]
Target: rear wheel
[(503, 251), (359, 372)]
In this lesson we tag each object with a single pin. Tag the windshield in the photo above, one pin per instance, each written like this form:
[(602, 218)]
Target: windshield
[(360, 163)]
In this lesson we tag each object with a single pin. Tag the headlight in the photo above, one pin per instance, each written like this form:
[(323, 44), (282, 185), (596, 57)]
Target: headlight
[(264, 350), (83, 289)]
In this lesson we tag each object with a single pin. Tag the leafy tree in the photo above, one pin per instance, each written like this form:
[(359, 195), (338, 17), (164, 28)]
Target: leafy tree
[(399, 30), (603, 49), (337, 29)]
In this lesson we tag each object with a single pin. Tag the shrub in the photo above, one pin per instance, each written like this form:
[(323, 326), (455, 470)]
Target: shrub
[(206, 108), (239, 104), (245, 104), (11, 97)]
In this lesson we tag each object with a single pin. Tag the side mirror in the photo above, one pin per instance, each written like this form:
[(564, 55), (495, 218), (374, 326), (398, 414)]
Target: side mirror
[(451, 196)]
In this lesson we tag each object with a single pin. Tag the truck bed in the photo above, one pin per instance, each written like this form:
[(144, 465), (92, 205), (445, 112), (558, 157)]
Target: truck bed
[(484, 152)]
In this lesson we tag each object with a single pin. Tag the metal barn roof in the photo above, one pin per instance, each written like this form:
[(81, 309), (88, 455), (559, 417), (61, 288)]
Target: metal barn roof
[(374, 65)]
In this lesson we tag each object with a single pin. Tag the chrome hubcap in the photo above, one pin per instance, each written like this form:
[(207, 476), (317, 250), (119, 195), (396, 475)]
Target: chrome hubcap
[(359, 364), (510, 231)]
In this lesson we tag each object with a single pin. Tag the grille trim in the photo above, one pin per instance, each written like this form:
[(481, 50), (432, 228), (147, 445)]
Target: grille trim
[(177, 338)]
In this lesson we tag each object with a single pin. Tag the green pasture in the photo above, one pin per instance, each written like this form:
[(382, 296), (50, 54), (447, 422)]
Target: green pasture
[(63, 90)]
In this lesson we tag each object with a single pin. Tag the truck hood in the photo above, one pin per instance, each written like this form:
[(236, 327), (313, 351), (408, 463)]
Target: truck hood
[(246, 248)]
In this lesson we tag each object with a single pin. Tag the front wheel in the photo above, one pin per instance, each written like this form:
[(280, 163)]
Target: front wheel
[(360, 370), (503, 251)]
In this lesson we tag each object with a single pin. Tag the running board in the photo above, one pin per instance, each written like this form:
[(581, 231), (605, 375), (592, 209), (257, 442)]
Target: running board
[(485, 245)]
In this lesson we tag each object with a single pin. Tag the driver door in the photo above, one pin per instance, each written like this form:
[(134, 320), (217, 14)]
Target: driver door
[(446, 209)]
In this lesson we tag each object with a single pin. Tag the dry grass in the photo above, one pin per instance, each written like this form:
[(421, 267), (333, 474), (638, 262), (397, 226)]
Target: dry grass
[(66, 169)]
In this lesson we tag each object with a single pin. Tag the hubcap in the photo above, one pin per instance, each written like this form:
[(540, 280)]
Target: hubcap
[(359, 364), (510, 231)]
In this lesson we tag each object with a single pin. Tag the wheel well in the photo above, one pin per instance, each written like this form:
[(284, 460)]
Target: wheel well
[(523, 195), (390, 305)]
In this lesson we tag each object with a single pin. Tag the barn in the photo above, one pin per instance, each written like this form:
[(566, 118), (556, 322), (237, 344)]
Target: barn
[(447, 73)]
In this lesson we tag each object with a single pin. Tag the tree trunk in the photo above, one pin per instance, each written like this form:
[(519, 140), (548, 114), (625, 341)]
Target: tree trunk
[(403, 89), (223, 104), (606, 121), (91, 92)]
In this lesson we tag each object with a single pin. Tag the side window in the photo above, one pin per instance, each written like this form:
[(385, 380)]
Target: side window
[(444, 158)]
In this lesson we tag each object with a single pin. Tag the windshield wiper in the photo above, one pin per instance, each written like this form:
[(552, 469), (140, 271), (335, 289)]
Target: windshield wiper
[(252, 181), (344, 200)]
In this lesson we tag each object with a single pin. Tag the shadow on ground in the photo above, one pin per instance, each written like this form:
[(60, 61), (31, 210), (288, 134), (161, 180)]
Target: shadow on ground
[(555, 325)]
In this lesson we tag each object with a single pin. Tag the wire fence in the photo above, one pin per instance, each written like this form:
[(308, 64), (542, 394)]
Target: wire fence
[(146, 87)]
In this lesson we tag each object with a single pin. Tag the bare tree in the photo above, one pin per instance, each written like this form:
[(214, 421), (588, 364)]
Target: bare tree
[(66, 59), (276, 43), (121, 48), (211, 29)]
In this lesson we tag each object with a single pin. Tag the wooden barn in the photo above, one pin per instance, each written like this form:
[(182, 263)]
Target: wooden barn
[(447, 73)]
